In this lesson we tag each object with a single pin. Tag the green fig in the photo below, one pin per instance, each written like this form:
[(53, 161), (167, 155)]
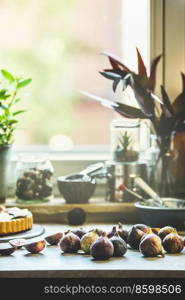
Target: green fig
[(98, 231), (87, 239)]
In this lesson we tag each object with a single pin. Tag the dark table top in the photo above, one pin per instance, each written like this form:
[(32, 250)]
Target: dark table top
[(52, 263)]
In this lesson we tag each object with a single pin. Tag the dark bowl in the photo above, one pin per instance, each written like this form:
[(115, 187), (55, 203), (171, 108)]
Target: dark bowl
[(77, 189), (173, 214)]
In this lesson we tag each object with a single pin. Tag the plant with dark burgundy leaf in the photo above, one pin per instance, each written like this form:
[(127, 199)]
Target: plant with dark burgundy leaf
[(166, 118)]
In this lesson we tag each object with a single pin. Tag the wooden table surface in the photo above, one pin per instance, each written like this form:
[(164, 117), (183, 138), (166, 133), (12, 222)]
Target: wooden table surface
[(52, 263)]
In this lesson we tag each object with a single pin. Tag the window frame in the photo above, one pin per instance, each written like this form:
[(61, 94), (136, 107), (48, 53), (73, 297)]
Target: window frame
[(168, 38)]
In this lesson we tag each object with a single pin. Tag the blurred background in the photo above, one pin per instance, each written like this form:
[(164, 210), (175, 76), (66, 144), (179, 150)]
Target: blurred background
[(58, 44)]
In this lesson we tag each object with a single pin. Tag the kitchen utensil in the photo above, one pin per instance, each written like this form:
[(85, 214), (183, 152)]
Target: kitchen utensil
[(123, 187), (145, 187), (79, 187), (91, 171), (171, 214)]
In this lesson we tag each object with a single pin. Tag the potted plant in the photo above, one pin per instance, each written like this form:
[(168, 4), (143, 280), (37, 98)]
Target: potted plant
[(124, 151), (10, 86), (167, 120)]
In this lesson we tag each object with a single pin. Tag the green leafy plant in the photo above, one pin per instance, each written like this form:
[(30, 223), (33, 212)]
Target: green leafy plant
[(125, 141), (123, 151), (10, 86)]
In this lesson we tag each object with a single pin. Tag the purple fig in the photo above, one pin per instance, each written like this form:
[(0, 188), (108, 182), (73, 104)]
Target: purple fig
[(165, 231), (123, 233), (54, 239), (120, 246), (79, 232), (112, 232), (102, 248), (136, 233), (87, 239), (144, 228), (151, 245), (173, 243), (17, 243), (35, 247), (6, 249), (70, 243)]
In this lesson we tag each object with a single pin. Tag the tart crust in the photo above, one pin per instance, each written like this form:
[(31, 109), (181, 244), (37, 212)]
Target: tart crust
[(16, 225)]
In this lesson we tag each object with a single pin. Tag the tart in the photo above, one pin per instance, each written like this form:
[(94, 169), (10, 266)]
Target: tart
[(14, 220)]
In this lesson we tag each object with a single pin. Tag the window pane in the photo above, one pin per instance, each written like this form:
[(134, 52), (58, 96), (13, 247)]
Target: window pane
[(58, 43)]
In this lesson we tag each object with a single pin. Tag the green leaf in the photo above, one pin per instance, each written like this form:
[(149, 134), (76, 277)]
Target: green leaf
[(129, 111), (115, 84), (111, 75), (11, 122), (17, 100), (3, 94), (23, 83), (18, 112), (3, 106), (8, 75)]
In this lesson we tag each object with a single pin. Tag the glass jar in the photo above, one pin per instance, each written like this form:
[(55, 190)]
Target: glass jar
[(125, 140), (33, 179)]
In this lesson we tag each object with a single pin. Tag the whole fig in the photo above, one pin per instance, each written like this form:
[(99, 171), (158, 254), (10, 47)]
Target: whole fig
[(156, 230), (144, 228), (151, 245), (123, 233), (98, 231), (173, 243), (120, 246), (87, 239), (102, 248), (136, 233), (112, 232), (70, 243), (164, 231), (79, 232)]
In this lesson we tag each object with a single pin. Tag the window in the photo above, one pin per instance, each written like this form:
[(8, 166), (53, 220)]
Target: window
[(58, 43)]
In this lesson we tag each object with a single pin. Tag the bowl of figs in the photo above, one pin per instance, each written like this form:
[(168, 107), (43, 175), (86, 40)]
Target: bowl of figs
[(171, 212)]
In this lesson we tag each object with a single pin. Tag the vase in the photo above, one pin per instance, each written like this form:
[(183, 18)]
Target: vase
[(5, 152), (177, 166), (33, 179), (124, 137), (162, 178), (168, 168)]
